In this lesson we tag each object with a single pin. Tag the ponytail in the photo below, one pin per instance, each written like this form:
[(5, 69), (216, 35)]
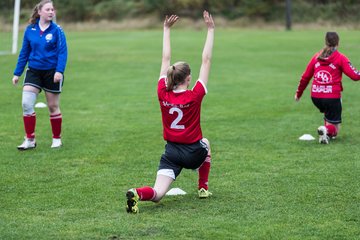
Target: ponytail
[(326, 52), (34, 15), (331, 42), (177, 74), (170, 78)]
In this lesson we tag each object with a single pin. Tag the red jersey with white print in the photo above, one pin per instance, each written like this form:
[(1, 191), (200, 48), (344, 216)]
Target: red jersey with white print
[(180, 112), (327, 75)]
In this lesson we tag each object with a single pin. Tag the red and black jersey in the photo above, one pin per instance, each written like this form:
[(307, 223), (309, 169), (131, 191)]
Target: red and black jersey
[(327, 75), (180, 112)]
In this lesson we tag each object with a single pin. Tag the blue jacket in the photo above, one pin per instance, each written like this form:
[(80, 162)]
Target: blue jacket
[(43, 51)]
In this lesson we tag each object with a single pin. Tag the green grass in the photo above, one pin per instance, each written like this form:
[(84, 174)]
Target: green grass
[(5, 42), (266, 183)]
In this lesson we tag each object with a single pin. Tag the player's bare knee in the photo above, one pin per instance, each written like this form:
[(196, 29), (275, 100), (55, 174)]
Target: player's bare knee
[(159, 195), (53, 108)]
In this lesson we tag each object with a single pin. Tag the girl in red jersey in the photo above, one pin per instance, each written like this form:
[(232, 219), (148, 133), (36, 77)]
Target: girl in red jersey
[(180, 109), (326, 68)]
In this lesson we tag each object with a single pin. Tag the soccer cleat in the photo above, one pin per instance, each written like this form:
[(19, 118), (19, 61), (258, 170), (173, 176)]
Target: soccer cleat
[(56, 143), (203, 193), (132, 201), (323, 137), (29, 143)]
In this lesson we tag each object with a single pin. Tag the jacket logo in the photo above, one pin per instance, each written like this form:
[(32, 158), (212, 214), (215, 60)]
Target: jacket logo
[(323, 77), (49, 37)]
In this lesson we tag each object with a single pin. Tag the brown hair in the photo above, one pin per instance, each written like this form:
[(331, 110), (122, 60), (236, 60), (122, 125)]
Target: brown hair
[(331, 42), (35, 14), (177, 74)]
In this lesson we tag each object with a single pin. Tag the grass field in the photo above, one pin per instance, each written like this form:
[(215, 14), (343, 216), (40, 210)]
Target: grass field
[(5, 42), (266, 183)]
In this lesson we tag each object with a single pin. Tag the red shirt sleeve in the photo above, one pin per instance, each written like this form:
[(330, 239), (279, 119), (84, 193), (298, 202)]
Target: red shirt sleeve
[(306, 76), (349, 70), (161, 86), (200, 90)]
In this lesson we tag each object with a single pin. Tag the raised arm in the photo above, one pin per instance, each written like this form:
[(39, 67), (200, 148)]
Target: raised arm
[(166, 53), (207, 52)]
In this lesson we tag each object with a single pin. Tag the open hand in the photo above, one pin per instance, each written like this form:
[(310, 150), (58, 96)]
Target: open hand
[(169, 21), (208, 19)]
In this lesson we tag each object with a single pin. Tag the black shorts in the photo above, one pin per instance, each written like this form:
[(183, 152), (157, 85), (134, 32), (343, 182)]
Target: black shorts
[(331, 107), (42, 79), (178, 156)]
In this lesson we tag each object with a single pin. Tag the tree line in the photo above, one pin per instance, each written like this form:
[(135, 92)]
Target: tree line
[(267, 10)]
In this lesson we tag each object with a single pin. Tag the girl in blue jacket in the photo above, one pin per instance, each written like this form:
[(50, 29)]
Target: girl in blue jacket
[(44, 51)]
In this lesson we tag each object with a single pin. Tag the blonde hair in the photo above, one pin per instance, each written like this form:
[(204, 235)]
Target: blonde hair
[(331, 42), (35, 15), (177, 74)]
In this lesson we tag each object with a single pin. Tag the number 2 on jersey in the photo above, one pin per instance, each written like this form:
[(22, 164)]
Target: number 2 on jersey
[(174, 124)]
